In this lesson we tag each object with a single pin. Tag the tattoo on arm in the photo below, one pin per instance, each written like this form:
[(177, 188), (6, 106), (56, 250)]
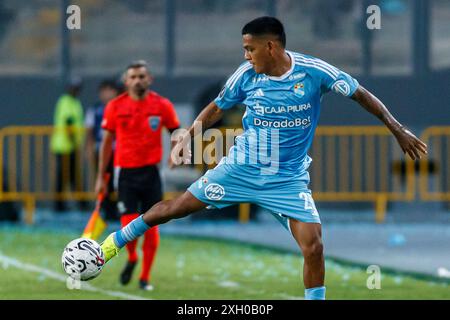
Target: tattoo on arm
[(407, 140), (373, 105)]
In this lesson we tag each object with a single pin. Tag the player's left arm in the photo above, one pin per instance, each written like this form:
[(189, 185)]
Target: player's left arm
[(406, 139)]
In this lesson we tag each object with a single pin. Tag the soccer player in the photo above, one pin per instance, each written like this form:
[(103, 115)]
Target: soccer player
[(282, 91), (135, 120)]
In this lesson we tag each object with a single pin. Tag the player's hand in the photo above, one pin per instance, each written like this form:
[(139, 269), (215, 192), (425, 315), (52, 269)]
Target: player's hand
[(172, 164), (181, 152), (100, 185), (410, 143)]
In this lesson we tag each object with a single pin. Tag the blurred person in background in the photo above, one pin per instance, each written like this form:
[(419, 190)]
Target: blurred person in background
[(328, 17), (66, 140), (134, 120), (107, 90)]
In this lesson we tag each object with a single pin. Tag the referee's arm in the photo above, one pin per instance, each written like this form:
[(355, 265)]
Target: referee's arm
[(103, 160)]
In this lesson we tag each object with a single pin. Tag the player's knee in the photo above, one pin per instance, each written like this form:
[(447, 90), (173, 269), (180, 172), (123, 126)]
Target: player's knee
[(313, 250)]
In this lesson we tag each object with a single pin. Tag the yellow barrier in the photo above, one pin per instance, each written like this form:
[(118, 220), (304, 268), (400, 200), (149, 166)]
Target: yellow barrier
[(29, 158), (436, 187), (352, 163), (349, 164)]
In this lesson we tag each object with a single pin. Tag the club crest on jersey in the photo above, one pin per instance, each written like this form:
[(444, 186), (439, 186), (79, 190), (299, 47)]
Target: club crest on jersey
[(214, 191), (342, 87), (299, 88), (154, 121)]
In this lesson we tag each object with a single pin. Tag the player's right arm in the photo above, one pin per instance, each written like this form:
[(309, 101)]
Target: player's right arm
[(180, 153), (230, 95), (206, 118)]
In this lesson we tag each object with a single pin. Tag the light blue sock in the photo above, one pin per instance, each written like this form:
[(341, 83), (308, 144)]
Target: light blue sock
[(317, 293), (131, 231)]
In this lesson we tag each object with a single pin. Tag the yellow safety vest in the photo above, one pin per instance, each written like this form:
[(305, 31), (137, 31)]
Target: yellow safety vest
[(68, 131)]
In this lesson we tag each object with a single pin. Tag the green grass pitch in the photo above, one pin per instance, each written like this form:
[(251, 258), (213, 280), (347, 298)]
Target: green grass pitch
[(188, 268)]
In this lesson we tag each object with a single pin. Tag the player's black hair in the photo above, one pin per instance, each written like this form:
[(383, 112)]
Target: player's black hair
[(109, 83), (74, 82), (266, 25)]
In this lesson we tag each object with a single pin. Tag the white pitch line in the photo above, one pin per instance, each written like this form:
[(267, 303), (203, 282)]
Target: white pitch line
[(289, 297), (8, 261)]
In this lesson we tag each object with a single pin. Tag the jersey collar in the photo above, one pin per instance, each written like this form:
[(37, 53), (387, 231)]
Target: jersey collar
[(284, 76)]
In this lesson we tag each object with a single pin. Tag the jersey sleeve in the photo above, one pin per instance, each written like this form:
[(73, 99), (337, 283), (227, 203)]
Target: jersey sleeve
[(170, 117), (333, 79), (109, 121), (232, 93)]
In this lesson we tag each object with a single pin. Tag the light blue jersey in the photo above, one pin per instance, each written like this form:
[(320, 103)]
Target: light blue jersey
[(270, 157), (282, 110)]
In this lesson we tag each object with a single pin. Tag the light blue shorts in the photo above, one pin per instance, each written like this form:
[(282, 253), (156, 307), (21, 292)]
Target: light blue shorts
[(284, 196)]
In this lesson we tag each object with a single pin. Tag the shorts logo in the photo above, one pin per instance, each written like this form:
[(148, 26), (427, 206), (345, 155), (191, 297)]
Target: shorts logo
[(153, 121), (201, 182), (214, 191)]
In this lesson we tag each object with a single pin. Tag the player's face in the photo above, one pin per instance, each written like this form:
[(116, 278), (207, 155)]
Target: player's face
[(138, 80), (257, 51), (106, 94)]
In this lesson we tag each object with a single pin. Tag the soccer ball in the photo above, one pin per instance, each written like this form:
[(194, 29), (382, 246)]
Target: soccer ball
[(83, 259)]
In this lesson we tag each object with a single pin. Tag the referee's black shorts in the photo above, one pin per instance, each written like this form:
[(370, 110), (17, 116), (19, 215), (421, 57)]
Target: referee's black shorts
[(138, 189)]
